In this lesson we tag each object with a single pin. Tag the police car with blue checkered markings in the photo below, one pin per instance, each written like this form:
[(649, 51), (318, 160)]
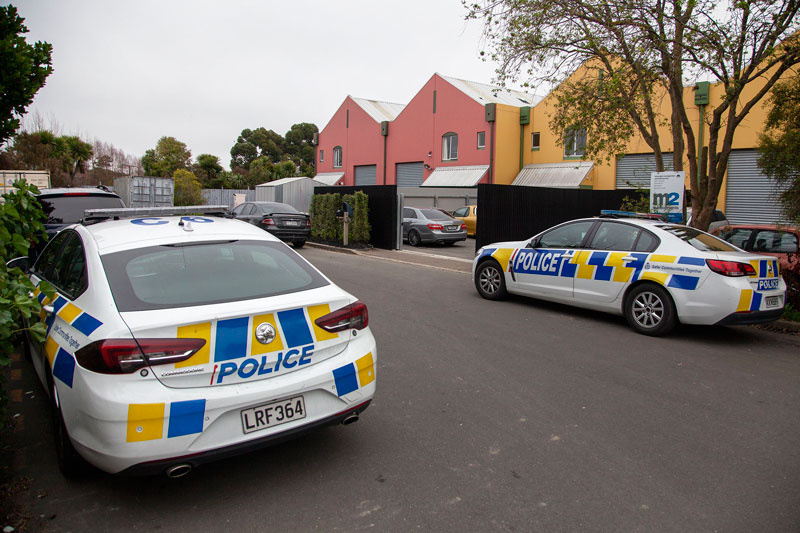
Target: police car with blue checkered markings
[(654, 273), (173, 340)]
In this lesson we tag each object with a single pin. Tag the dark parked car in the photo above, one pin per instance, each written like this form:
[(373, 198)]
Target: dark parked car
[(431, 225), (282, 220), (782, 242)]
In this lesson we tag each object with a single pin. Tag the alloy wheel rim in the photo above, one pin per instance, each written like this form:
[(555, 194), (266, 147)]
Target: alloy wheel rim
[(648, 310), (490, 280)]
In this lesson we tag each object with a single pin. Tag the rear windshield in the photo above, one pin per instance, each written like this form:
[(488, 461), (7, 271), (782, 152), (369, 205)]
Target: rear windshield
[(69, 209), (270, 207), (435, 214), (700, 239), (161, 277)]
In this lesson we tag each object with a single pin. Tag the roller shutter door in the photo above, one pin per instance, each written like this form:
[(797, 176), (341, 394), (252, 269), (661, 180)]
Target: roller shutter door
[(634, 170), (751, 197), (366, 175), (409, 174)]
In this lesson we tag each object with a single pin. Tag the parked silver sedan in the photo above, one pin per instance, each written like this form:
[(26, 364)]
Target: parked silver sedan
[(431, 225)]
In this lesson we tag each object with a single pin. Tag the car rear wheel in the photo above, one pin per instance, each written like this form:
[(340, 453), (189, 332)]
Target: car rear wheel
[(70, 463), (490, 281), (298, 243), (413, 238), (650, 311)]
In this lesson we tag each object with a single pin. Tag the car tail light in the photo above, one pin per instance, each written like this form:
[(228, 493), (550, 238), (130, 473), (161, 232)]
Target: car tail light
[(733, 269), (435, 226), (353, 316), (308, 223), (123, 356), (268, 221), (463, 225)]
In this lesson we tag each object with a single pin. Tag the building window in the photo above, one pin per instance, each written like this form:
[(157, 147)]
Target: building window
[(337, 157), (481, 140), (322, 156), (535, 140), (449, 147), (574, 142)]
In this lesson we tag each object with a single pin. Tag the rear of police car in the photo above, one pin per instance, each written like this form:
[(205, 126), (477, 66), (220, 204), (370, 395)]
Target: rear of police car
[(217, 338)]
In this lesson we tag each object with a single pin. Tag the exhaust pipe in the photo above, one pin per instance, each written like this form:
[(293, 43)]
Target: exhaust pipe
[(350, 419), (174, 472)]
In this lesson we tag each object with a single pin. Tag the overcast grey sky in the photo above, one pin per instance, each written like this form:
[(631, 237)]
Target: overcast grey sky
[(130, 72)]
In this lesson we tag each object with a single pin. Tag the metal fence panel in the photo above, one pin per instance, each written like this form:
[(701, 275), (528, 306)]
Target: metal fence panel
[(225, 196)]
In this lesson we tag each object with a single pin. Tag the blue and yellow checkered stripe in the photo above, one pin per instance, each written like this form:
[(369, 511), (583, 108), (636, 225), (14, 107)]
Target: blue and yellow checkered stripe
[(352, 376), (235, 338), (150, 421), (766, 268)]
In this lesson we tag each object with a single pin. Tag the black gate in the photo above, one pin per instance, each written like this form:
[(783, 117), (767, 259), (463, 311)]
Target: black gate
[(382, 211), (512, 213)]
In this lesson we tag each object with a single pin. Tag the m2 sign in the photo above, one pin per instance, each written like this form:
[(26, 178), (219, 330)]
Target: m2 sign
[(666, 194)]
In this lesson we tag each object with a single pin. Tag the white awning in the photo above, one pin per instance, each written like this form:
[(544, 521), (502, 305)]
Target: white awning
[(456, 176), (330, 178), (566, 175)]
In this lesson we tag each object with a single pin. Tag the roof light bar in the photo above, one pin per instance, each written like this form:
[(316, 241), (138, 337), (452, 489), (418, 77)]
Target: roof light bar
[(156, 211), (614, 213)]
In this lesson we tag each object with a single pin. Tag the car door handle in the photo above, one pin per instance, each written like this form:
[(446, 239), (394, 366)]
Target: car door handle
[(630, 258)]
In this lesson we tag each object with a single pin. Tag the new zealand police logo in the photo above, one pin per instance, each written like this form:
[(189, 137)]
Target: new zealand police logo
[(265, 333)]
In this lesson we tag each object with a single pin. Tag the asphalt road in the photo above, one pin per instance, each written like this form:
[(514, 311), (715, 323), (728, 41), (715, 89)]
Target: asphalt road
[(515, 415)]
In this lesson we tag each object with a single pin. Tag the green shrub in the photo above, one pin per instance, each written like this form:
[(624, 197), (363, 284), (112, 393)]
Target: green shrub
[(326, 226)]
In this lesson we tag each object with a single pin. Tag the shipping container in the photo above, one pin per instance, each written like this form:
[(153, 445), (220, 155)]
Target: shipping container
[(145, 191), (40, 178)]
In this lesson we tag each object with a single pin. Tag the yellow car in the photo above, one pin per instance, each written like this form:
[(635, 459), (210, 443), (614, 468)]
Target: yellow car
[(469, 215)]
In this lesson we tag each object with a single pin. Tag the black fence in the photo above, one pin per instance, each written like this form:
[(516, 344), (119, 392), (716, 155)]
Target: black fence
[(511, 213), (382, 211)]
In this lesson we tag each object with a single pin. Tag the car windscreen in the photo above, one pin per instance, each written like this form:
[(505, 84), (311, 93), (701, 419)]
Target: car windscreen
[(69, 209), (699, 239), (161, 277), (435, 214)]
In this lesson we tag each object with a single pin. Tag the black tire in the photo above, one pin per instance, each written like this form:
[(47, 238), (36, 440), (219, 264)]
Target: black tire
[(413, 238), (70, 463), (649, 310), (298, 244), (490, 281), (449, 243)]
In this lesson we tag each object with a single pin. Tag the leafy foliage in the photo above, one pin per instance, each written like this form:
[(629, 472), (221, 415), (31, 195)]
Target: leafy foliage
[(207, 168), (266, 145), (188, 190), (169, 155), (65, 156), (779, 145), (326, 226), (646, 50), (24, 69), (21, 224)]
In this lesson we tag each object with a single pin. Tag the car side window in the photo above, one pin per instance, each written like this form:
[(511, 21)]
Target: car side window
[(238, 209), (49, 255), (248, 209), (614, 236), (647, 242), (737, 236), (566, 236), (773, 241), (461, 212), (409, 213), (68, 270), (718, 216)]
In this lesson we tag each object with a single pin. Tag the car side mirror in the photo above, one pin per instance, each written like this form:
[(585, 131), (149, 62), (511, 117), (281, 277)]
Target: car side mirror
[(22, 263), (534, 243)]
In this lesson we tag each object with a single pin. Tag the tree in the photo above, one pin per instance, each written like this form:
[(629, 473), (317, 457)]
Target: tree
[(63, 156), (73, 153), (207, 168), (168, 156), (23, 70), (188, 190), (779, 145), (299, 143), (646, 50), (252, 144), (261, 171)]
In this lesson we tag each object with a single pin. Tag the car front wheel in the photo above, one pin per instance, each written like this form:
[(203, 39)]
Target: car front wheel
[(649, 310), (490, 281)]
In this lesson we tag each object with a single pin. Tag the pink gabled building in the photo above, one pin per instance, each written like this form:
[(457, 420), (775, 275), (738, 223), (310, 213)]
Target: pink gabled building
[(453, 133)]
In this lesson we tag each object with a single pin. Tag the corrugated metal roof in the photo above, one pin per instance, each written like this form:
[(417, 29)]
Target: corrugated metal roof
[(284, 181), (329, 178), (485, 94), (559, 175), (468, 176), (379, 111)]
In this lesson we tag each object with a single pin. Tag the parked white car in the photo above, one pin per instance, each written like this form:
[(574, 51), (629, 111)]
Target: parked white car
[(654, 273), (174, 340)]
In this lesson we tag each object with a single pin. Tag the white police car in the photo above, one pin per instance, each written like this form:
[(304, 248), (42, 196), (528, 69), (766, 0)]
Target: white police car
[(656, 274), (178, 339)]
